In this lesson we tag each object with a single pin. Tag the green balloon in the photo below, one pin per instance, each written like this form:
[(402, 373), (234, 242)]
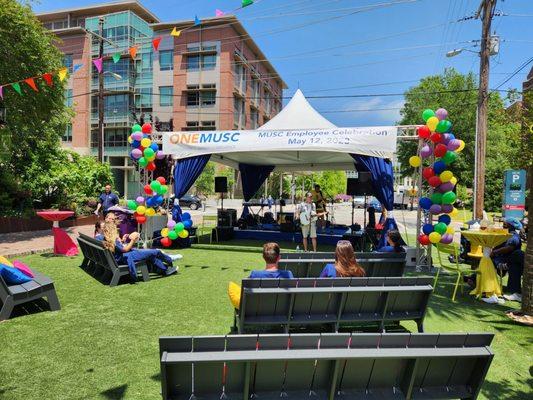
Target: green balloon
[(436, 198), (164, 189), (172, 235), (136, 128), (448, 126), (148, 152), (132, 205), (143, 162), (442, 126), (156, 186), (449, 198), (427, 114), (449, 157), (179, 227), (440, 228)]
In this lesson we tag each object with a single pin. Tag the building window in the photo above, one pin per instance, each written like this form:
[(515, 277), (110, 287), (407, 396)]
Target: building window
[(254, 119), (200, 126), (208, 124), (240, 77), (193, 62), (193, 99), (256, 90), (166, 60), (166, 96), (67, 136), (67, 62), (143, 99), (239, 115), (268, 102), (209, 61), (208, 98), (196, 97), (68, 98)]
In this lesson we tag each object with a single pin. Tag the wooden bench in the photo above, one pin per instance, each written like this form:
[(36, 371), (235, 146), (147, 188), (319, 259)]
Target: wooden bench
[(311, 264), (325, 366), (312, 302), (13, 295), (97, 257)]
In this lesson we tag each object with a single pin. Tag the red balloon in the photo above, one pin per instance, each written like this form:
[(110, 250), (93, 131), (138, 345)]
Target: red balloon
[(440, 150), (150, 166), (428, 172), (161, 180), (423, 239), (166, 242), (141, 219), (434, 181), (423, 132), (147, 189), (436, 138), (147, 128)]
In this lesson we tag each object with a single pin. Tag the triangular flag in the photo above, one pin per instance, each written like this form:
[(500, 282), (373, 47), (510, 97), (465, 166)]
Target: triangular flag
[(98, 64), (2, 92), (16, 86), (175, 32), (219, 13), (31, 83), (116, 57), (76, 67), (48, 79), (133, 52), (62, 73), (246, 3), (196, 21), (155, 43)]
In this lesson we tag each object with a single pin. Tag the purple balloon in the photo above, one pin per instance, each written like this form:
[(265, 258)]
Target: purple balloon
[(159, 155), (447, 208), (171, 224), (425, 152), (446, 187), (441, 114), (136, 153), (445, 138), (137, 136), (446, 238), (435, 209), (454, 144), (139, 200)]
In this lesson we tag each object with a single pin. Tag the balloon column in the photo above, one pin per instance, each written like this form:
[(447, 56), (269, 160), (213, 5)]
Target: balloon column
[(145, 206), (439, 150), (175, 230), (144, 151)]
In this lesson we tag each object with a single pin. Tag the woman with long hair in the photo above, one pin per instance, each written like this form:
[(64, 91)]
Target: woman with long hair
[(345, 263), (394, 243)]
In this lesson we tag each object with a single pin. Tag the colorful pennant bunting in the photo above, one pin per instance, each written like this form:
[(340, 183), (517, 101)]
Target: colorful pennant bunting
[(31, 83), (175, 32), (48, 79), (16, 86), (246, 3), (133, 52), (196, 21), (98, 64), (219, 13), (116, 57), (62, 73), (76, 67), (155, 42)]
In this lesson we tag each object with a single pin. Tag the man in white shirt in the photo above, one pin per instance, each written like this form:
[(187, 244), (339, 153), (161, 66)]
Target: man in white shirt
[(306, 212)]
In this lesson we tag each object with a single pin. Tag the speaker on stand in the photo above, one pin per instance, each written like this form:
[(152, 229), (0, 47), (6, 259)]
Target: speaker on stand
[(359, 186), (221, 186)]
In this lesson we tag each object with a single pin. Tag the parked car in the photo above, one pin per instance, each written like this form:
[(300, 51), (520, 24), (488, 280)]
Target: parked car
[(359, 201), (189, 200)]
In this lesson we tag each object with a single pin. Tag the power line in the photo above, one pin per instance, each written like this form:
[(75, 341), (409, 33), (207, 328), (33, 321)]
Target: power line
[(514, 73)]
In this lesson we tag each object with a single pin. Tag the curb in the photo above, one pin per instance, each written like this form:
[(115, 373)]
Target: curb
[(28, 253)]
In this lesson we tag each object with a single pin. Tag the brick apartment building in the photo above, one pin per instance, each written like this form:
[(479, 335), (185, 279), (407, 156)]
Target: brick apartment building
[(211, 77)]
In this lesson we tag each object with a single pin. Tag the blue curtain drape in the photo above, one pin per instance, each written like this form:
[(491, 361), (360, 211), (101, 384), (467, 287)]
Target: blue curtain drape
[(383, 184), (186, 171), (252, 177)]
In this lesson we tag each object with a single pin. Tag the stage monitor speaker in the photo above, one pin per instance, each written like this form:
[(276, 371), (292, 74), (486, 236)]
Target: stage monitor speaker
[(226, 217), (360, 186), (221, 184)]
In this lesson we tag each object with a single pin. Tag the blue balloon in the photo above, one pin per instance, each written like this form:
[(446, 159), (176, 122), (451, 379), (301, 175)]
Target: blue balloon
[(445, 219), (154, 147), (185, 216), (150, 201), (451, 136), (159, 200), (425, 203), (187, 223), (427, 229), (135, 144), (145, 136), (439, 167)]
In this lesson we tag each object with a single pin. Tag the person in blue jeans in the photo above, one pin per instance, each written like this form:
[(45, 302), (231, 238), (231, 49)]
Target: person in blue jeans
[(345, 263), (124, 253), (271, 255), (394, 243)]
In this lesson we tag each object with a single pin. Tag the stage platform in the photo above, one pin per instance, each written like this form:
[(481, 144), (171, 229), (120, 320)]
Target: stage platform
[(329, 237)]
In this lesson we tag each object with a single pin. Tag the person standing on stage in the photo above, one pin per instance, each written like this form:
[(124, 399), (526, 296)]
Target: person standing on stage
[(306, 212), (320, 204)]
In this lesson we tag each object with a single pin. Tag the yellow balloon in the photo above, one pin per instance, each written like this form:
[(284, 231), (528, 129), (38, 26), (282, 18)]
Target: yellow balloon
[(434, 237), (446, 176), (183, 234), (151, 158), (146, 142), (141, 210), (454, 213), (150, 212), (130, 139), (432, 123), (453, 180), (415, 161), (461, 146), (450, 230), (164, 232)]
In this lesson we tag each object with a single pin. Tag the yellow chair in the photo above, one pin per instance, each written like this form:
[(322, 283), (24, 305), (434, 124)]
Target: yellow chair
[(209, 222), (454, 267)]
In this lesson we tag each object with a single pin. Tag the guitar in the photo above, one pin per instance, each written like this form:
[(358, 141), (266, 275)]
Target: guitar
[(308, 217)]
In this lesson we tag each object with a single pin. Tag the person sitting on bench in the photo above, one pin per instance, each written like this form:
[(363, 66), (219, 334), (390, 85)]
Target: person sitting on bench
[(394, 243), (271, 256), (126, 254), (345, 263)]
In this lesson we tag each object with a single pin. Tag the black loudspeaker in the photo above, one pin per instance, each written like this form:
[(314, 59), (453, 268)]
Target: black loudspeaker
[(287, 227), (221, 184), (227, 217), (371, 217), (223, 233), (360, 186)]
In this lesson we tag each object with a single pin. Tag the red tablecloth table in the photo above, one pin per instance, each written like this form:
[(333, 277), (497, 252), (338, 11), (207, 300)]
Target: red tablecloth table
[(63, 244)]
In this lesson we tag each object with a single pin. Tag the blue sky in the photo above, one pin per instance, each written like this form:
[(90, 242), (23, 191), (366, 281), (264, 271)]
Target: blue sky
[(326, 47)]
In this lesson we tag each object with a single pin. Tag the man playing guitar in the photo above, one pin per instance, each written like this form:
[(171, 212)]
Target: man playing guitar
[(320, 204), (308, 216)]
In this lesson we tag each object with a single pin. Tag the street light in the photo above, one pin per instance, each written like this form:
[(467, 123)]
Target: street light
[(456, 52)]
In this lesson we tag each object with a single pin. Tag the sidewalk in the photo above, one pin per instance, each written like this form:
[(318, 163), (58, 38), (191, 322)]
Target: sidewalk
[(23, 243)]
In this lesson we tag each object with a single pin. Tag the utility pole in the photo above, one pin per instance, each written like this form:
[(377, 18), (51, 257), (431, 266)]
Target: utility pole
[(486, 11), (101, 93)]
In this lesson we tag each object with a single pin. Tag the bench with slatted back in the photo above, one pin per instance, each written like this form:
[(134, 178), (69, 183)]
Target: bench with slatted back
[(339, 302), (327, 366), (12, 295), (375, 264), (97, 257)]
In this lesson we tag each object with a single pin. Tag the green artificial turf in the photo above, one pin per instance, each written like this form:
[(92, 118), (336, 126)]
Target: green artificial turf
[(103, 344)]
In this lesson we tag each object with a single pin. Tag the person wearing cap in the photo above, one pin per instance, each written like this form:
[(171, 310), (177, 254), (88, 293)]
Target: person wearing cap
[(509, 257)]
